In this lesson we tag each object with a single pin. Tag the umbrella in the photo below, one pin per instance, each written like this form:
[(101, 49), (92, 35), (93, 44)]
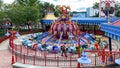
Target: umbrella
[(84, 59), (117, 61)]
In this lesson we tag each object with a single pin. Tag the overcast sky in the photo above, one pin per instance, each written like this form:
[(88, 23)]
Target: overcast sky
[(75, 5)]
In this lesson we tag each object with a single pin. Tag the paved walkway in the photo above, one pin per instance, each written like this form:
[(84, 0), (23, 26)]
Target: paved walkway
[(4, 45), (5, 55)]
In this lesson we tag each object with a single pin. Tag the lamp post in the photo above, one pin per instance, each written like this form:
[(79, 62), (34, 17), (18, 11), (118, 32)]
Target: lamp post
[(12, 35)]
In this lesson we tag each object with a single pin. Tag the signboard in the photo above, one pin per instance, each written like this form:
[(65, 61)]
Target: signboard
[(104, 5)]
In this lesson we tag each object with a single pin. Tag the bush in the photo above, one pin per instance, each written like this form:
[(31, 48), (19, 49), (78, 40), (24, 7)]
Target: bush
[(2, 32)]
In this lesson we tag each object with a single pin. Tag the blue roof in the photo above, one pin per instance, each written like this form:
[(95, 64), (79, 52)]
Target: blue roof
[(92, 20), (111, 30), (46, 22)]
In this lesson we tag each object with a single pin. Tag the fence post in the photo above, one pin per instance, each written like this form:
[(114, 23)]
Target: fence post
[(57, 61), (114, 57), (35, 56), (24, 59), (70, 60), (27, 51), (95, 59), (119, 52), (45, 57), (55, 56), (21, 52), (106, 59), (16, 53)]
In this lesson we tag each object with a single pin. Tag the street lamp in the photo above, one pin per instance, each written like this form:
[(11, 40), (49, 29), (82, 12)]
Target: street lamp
[(12, 35)]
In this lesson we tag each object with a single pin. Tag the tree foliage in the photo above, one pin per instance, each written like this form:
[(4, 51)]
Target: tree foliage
[(96, 5), (57, 11), (23, 11), (117, 12), (28, 2)]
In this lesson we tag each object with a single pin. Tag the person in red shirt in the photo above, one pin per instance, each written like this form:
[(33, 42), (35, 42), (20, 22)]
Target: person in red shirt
[(96, 46), (63, 48)]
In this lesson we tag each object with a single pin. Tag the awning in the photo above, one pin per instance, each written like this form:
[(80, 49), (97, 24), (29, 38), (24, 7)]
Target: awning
[(112, 30), (89, 21), (93, 21)]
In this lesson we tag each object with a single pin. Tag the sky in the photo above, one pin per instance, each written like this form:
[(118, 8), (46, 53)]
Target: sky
[(75, 5)]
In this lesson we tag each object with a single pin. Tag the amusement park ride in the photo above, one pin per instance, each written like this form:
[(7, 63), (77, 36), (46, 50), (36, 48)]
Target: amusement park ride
[(64, 32)]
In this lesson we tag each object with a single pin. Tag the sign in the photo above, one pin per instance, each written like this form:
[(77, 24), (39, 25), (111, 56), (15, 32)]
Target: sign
[(106, 4)]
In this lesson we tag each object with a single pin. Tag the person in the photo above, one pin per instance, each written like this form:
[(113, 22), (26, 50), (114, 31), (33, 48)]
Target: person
[(63, 48), (96, 46)]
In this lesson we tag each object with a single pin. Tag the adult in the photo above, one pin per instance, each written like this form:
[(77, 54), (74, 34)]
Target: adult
[(8, 24), (63, 48)]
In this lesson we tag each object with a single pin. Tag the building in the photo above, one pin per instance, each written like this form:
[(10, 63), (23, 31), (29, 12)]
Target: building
[(80, 14), (92, 12)]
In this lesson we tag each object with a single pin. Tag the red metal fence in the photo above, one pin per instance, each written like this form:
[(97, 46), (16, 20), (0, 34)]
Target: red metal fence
[(3, 38), (43, 58)]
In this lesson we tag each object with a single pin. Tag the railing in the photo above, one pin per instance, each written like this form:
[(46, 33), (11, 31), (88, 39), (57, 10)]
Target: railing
[(3, 39), (42, 58)]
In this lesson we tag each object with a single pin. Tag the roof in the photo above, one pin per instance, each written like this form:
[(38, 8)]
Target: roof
[(90, 20), (49, 16), (112, 30), (94, 19), (116, 23)]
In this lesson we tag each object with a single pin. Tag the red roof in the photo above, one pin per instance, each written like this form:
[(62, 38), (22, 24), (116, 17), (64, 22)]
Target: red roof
[(117, 23)]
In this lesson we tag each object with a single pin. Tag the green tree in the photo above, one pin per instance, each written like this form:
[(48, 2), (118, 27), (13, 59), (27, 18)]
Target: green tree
[(57, 11), (96, 5), (117, 13), (23, 11), (117, 10), (28, 2), (2, 14), (47, 7)]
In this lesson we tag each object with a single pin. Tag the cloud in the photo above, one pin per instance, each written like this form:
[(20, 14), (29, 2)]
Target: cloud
[(74, 4), (8, 1)]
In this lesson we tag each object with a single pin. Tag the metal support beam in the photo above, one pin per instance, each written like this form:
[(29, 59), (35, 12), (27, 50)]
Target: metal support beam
[(110, 48), (94, 29)]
